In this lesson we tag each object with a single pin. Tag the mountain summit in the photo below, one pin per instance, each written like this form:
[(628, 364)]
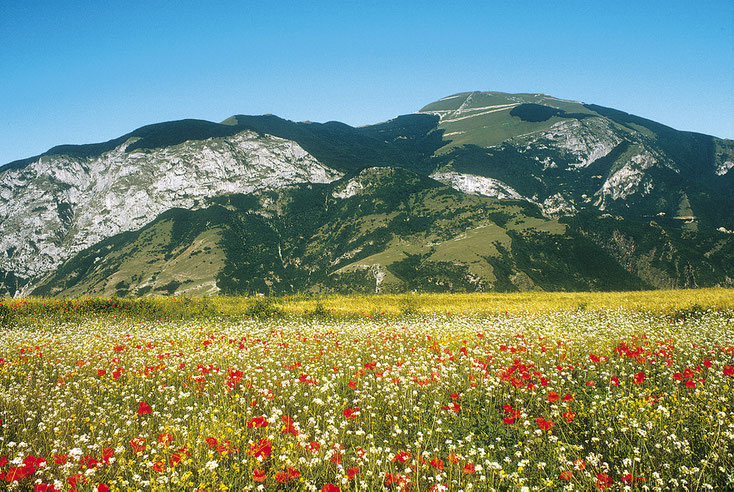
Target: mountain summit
[(476, 191)]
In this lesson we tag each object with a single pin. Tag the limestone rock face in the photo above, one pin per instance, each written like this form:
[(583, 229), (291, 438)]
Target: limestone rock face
[(59, 205)]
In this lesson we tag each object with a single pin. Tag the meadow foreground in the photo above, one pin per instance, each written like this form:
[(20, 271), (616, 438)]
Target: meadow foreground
[(574, 400)]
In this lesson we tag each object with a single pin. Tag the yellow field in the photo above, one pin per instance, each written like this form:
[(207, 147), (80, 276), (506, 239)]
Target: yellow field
[(654, 301)]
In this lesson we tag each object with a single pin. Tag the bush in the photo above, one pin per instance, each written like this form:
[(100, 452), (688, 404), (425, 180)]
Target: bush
[(319, 311), (263, 308)]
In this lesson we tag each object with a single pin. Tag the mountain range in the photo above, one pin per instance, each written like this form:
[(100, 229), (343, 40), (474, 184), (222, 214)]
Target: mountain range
[(478, 191)]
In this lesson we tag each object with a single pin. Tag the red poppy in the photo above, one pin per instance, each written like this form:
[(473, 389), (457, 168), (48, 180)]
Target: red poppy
[(580, 465), (707, 363), (453, 406), (454, 396), (603, 481), (159, 466), (402, 457), (175, 459), (137, 444), (352, 385), (508, 420), (336, 458), (690, 384), (330, 487), (289, 425), (212, 442), (614, 380), (225, 447), (102, 487), (468, 468), (143, 408), (75, 479), (101, 372), (260, 449), (60, 459), (258, 475), (728, 371), (44, 487), (165, 438), (352, 472), (552, 396), (19, 473), (107, 454), (567, 397), (88, 462), (544, 424), (453, 458), (437, 463), (392, 478), (351, 413), (567, 475), (639, 377), (569, 415), (313, 446), (261, 421), (281, 477)]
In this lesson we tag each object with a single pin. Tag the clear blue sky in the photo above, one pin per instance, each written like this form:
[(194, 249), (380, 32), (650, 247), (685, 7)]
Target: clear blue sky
[(82, 72)]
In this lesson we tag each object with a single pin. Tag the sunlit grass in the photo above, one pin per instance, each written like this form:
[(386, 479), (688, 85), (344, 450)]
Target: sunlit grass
[(655, 301)]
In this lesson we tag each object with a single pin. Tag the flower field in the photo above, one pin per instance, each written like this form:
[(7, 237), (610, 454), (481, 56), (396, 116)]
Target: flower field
[(575, 400)]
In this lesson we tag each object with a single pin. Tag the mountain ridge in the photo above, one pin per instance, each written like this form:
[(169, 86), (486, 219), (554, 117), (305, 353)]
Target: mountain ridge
[(563, 158)]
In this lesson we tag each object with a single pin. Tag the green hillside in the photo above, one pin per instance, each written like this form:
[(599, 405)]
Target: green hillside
[(387, 230)]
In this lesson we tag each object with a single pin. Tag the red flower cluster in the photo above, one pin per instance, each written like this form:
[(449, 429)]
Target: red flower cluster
[(402, 457), (143, 408), (260, 449), (544, 424), (289, 474), (512, 414), (261, 421), (603, 481)]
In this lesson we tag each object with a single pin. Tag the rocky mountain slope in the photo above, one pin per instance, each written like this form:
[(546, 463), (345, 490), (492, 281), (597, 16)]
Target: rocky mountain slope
[(183, 207), (386, 230)]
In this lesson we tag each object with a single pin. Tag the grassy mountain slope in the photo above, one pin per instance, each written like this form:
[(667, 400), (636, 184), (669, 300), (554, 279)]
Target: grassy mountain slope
[(487, 119), (595, 157), (387, 230)]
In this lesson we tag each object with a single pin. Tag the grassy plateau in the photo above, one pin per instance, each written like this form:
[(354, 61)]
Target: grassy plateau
[(534, 391)]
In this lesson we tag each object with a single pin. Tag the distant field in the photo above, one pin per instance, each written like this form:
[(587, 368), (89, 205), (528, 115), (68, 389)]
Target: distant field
[(658, 301)]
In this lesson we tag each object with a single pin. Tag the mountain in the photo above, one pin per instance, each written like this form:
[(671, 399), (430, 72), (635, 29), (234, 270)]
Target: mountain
[(476, 191), (568, 156)]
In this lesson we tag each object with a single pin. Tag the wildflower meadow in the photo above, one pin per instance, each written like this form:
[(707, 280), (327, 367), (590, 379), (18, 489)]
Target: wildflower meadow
[(607, 399)]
